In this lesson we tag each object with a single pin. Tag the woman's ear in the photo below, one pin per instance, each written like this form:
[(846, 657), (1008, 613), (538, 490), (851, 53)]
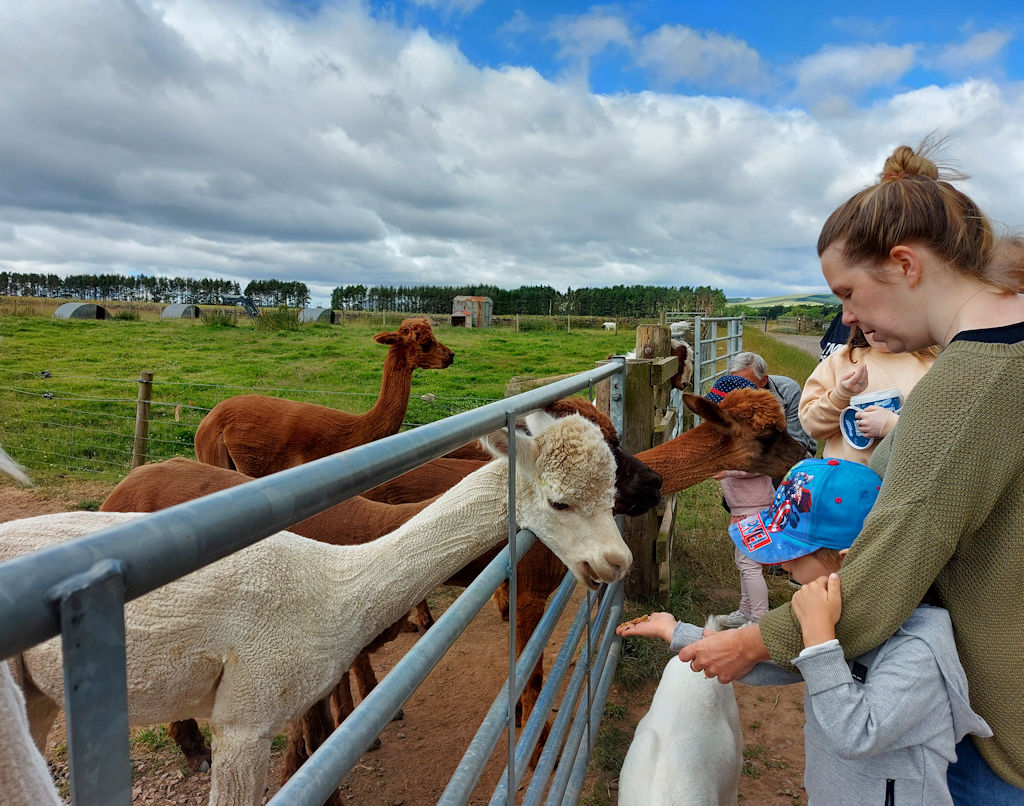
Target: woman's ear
[(908, 262)]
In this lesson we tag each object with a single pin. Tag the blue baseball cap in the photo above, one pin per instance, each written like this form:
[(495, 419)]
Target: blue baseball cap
[(725, 384), (821, 503)]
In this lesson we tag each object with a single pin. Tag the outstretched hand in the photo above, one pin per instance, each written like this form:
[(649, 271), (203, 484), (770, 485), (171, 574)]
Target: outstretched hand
[(655, 625), (817, 606)]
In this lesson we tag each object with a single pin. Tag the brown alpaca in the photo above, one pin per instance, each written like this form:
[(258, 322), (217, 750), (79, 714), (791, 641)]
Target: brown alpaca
[(259, 435)]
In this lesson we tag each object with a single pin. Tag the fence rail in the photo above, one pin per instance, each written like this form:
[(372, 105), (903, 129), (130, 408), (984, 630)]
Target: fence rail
[(91, 579)]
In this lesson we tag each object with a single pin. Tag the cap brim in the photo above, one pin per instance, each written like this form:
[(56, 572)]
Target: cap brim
[(763, 546)]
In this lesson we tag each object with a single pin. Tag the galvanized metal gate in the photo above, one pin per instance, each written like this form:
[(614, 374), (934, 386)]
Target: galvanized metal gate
[(78, 590)]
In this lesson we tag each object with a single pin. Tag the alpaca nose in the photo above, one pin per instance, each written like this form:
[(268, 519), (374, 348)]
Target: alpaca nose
[(618, 562)]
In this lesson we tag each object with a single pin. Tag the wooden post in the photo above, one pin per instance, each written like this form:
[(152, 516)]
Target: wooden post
[(142, 418)]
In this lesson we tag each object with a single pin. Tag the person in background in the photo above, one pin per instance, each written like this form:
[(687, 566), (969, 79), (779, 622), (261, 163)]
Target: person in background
[(882, 728), (836, 336), (743, 494), (863, 365), (787, 391), (915, 262)]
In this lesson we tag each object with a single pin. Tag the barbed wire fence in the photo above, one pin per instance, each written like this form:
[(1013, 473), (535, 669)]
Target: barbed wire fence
[(87, 426)]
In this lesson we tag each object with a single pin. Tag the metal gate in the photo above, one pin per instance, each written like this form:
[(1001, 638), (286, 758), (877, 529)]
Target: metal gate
[(78, 590)]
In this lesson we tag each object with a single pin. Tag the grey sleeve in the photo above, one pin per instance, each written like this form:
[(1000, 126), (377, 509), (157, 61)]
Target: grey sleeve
[(880, 715), (767, 673), (789, 391)]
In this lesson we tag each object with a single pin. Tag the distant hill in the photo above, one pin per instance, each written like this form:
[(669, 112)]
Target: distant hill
[(788, 300)]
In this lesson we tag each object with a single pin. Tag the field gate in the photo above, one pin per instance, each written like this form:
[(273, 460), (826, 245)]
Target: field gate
[(78, 590)]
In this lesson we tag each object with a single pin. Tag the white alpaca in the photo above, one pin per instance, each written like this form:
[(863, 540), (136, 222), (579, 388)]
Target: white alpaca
[(688, 749), (252, 640)]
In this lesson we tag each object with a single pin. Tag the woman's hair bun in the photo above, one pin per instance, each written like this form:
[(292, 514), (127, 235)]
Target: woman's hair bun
[(905, 162)]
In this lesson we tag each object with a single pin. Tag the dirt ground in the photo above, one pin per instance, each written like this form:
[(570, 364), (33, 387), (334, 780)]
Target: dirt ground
[(418, 753)]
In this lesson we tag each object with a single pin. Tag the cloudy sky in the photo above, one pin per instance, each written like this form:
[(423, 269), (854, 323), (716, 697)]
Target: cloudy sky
[(512, 142)]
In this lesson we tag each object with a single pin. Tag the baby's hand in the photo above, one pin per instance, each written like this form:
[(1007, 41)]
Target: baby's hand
[(656, 625), (871, 420), (855, 381), (817, 606)]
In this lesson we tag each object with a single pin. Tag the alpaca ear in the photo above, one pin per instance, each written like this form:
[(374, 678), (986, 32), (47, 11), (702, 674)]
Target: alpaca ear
[(537, 421), (386, 338), (497, 444), (705, 409)]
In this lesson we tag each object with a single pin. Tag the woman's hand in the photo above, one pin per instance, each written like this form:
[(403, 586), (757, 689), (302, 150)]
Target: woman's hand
[(817, 606), (726, 655), (873, 421), (855, 381), (656, 625)]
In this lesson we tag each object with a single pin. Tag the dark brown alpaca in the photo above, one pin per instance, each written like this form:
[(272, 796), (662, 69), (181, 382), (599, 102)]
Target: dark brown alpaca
[(259, 435)]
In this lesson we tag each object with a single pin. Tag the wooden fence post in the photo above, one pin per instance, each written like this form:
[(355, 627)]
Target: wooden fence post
[(142, 418)]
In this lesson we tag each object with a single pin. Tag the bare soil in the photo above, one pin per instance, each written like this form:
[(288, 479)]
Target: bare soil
[(418, 753)]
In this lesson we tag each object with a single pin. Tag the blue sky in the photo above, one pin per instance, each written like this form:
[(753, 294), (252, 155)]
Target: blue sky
[(460, 141)]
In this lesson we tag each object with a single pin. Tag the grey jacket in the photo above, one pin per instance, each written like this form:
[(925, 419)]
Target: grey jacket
[(884, 723), (787, 392)]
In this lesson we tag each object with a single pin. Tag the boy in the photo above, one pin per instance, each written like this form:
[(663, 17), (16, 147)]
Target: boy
[(881, 728)]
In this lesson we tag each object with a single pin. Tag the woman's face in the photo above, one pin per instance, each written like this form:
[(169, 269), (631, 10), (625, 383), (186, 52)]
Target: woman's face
[(874, 298)]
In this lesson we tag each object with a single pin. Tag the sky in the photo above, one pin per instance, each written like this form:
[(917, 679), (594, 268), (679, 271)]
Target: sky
[(451, 142)]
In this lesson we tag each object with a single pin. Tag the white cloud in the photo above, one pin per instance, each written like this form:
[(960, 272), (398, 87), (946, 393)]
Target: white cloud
[(980, 49), (581, 37), (847, 72), (675, 53), (451, 7), (213, 140)]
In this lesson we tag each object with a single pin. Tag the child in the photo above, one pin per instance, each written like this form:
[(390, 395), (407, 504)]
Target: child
[(743, 494), (880, 728)]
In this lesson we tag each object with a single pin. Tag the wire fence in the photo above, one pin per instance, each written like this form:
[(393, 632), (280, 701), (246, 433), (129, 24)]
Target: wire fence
[(86, 425)]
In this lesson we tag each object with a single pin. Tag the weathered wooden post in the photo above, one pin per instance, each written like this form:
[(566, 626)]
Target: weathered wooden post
[(142, 418)]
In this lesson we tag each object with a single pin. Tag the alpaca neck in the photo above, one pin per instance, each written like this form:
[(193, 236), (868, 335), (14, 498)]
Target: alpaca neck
[(386, 577), (689, 459), (385, 418)]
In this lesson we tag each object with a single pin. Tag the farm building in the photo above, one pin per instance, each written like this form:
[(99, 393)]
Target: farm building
[(180, 310), (325, 315), (471, 311), (80, 310)]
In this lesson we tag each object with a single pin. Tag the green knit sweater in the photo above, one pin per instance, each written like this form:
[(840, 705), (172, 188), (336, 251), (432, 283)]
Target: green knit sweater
[(951, 511)]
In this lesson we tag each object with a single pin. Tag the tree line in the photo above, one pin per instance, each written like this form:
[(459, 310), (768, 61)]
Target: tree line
[(614, 301)]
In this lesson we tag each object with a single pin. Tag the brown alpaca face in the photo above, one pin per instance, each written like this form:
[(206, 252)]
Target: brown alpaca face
[(750, 429), (422, 350)]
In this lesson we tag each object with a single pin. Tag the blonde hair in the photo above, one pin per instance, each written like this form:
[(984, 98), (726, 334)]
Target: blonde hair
[(914, 203)]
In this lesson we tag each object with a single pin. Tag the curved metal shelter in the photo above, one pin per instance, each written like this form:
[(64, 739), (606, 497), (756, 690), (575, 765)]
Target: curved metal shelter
[(325, 315), (180, 310), (81, 310)]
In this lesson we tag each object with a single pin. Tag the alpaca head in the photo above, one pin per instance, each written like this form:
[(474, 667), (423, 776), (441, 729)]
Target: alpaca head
[(416, 338), (684, 352), (565, 489), (750, 428), (637, 487)]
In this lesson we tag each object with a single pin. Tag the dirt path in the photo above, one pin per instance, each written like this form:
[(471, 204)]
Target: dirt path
[(808, 343), (418, 754)]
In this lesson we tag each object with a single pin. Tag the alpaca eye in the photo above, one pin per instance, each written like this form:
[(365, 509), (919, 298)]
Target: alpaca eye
[(425, 347), (559, 505)]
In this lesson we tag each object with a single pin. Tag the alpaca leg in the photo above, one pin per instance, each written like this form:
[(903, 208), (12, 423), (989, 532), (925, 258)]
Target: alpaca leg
[(501, 600), (41, 712), (342, 705), (305, 735), (366, 679), (529, 612), (240, 760), (192, 743)]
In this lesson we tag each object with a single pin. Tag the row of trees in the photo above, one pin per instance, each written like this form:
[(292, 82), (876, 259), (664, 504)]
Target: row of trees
[(618, 300), (613, 301), (117, 286)]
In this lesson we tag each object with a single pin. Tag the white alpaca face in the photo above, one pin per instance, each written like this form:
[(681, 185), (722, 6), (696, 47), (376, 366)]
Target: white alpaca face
[(565, 492)]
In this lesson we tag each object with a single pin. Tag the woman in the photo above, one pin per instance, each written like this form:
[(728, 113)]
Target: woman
[(915, 263), (863, 365)]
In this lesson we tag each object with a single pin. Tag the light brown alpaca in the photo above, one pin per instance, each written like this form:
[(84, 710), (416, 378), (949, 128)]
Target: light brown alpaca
[(747, 431), (259, 435)]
